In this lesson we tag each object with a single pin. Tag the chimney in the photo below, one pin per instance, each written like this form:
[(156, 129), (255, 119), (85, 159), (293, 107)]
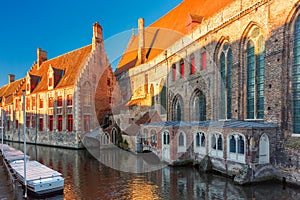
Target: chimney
[(41, 57), (141, 41), (97, 35), (11, 78)]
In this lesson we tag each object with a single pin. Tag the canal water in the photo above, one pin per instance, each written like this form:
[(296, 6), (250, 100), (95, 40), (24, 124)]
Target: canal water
[(87, 178)]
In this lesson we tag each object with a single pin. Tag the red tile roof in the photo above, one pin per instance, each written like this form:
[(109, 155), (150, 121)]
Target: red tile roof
[(7, 91), (168, 29), (67, 66)]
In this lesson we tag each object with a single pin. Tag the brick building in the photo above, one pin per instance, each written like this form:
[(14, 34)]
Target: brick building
[(60, 96), (231, 61)]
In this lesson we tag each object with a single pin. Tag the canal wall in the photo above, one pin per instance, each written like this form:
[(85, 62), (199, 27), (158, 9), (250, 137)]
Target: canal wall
[(58, 139), (288, 162)]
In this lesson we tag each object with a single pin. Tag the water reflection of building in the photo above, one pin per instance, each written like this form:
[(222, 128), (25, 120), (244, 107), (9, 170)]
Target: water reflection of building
[(87, 178), (60, 103), (232, 63)]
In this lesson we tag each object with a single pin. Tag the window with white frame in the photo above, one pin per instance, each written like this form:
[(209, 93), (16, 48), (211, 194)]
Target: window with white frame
[(166, 138), (216, 145), (181, 142), (236, 147), (200, 143)]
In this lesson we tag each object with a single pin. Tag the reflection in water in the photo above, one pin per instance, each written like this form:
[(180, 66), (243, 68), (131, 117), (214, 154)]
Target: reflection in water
[(86, 178)]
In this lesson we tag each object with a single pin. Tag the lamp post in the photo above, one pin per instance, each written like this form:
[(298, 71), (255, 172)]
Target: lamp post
[(24, 124)]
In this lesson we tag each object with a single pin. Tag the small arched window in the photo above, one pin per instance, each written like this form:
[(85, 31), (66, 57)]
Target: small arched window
[(166, 138), (232, 145), (213, 142), (241, 145), (181, 139), (198, 139), (203, 140), (220, 143)]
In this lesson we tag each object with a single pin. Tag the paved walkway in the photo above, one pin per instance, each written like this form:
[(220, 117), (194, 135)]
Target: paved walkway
[(5, 189)]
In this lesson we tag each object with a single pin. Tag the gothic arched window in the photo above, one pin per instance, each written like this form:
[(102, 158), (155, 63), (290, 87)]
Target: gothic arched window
[(226, 81), (255, 75)]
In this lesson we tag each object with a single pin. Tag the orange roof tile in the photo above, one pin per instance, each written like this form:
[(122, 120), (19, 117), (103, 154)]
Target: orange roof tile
[(68, 64), (168, 29), (7, 91)]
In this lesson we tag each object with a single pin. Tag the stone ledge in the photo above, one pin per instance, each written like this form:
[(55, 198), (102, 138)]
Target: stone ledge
[(292, 143)]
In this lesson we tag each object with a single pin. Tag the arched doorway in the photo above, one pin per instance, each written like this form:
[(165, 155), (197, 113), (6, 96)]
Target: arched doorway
[(264, 149), (166, 146)]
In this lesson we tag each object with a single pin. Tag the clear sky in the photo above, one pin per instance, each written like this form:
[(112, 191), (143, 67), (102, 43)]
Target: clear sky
[(60, 26)]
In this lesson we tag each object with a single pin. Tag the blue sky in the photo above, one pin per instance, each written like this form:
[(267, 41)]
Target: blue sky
[(60, 26)]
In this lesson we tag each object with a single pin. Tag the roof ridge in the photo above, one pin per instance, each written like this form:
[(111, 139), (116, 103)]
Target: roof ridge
[(68, 53), (10, 83)]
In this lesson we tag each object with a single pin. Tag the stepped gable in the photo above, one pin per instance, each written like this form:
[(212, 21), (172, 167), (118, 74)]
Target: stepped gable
[(168, 29)]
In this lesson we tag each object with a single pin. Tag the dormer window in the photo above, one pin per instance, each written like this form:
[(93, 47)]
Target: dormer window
[(50, 78), (31, 82), (50, 82), (54, 76)]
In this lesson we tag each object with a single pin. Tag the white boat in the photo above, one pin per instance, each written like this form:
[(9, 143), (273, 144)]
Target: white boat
[(41, 180)]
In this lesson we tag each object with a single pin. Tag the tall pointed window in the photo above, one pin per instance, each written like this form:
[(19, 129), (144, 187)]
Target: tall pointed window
[(163, 97), (198, 108), (177, 108), (255, 75), (178, 111), (296, 78), (226, 83)]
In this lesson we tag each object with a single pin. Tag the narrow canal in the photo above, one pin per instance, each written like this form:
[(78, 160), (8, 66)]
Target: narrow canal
[(86, 178)]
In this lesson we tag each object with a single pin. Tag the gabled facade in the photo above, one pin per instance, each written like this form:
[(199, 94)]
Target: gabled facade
[(60, 103)]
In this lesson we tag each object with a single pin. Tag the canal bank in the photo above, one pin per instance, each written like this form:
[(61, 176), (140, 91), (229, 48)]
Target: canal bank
[(86, 177)]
